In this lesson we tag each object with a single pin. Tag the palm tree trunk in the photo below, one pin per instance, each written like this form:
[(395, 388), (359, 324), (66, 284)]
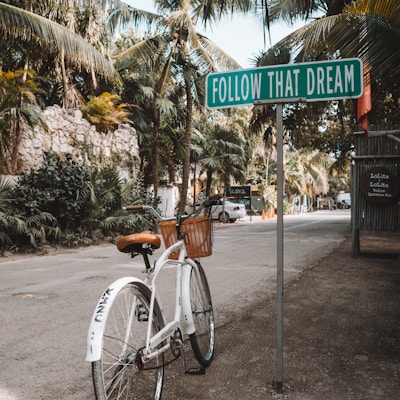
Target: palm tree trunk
[(94, 79), (26, 66), (64, 78), (15, 132), (186, 146), (208, 185), (156, 157), (266, 170)]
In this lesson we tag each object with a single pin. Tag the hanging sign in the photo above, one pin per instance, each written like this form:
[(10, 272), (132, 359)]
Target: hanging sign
[(378, 185)]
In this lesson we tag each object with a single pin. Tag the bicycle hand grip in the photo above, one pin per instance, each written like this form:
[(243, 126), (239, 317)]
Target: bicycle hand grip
[(134, 208)]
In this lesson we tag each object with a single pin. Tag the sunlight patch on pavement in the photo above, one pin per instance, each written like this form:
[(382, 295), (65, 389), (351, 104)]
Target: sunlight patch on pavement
[(5, 395)]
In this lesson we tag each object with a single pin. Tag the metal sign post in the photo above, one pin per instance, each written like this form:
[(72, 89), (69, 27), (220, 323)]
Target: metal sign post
[(279, 249)]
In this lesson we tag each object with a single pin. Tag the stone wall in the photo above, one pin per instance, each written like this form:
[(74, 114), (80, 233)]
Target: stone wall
[(69, 132)]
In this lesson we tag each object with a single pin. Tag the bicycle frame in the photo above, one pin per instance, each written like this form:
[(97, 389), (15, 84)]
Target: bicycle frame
[(182, 306)]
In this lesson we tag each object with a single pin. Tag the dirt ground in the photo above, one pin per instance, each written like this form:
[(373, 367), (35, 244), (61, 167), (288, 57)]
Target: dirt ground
[(341, 336)]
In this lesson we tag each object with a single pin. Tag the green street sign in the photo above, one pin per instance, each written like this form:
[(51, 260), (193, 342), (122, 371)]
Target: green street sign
[(311, 81)]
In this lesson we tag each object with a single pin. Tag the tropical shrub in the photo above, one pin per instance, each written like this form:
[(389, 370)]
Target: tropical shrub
[(60, 187), (68, 203), (105, 112), (5, 219), (18, 229)]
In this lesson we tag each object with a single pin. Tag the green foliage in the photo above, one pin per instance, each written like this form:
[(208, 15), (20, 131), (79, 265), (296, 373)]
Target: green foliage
[(5, 219), (105, 111), (219, 150), (18, 108), (134, 192), (60, 187), (104, 207), (69, 203), (17, 229)]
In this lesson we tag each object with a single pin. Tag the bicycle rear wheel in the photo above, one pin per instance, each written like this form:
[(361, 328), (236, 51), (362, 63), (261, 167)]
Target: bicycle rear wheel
[(202, 340), (120, 373)]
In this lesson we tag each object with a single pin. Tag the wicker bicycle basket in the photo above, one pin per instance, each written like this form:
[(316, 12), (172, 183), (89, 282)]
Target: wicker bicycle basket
[(197, 236)]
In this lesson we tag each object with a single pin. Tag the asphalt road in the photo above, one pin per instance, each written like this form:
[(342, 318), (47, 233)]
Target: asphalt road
[(47, 301)]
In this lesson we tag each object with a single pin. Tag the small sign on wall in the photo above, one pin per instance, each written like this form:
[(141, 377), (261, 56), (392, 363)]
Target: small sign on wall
[(239, 191), (379, 185)]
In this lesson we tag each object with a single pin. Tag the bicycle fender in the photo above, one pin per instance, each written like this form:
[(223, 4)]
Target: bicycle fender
[(99, 318), (187, 318)]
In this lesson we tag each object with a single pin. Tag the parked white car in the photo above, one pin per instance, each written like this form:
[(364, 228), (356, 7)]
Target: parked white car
[(233, 211), (343, 201)]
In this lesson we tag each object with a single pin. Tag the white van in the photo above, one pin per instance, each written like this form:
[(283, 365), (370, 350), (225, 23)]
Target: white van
[(343, 200), (233, 211)]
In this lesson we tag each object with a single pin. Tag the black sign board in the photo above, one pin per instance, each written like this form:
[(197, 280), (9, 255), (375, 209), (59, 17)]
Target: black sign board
[(378, 185), (239, 191)]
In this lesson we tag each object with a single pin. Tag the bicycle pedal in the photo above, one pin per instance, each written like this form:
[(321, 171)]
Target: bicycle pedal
[(141, 313), (196, 371)]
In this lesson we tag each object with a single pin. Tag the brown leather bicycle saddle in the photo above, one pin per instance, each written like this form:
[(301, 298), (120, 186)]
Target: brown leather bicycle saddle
[(133, 242)]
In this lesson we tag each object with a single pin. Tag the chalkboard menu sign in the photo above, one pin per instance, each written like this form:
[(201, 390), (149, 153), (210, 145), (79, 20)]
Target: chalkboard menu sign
[(239, 191), (379, 185)]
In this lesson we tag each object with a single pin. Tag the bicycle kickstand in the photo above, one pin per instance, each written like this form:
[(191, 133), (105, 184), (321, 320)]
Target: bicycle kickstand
[(190, 371)]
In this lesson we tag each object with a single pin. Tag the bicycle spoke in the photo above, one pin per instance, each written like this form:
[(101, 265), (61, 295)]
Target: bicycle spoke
[(120, 373), (202, 340)]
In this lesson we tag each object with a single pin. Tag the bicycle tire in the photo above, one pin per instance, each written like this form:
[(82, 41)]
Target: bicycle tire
[(119, 374), (203, 338)]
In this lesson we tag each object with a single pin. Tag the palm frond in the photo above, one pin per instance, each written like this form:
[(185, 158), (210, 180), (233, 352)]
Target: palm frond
[(6, 196), (122, 14), (144, 50), (368, 29), (208, 50), (20, 24), (211, 11)]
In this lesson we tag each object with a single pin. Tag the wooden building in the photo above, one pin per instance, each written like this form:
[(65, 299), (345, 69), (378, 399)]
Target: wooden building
[(375, 185)]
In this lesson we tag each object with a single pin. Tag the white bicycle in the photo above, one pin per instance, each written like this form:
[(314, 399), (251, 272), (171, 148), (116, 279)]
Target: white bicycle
[(129, 341)]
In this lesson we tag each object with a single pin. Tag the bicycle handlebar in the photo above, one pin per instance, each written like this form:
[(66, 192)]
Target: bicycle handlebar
[(134, 208), (145, 207), (141, 207)]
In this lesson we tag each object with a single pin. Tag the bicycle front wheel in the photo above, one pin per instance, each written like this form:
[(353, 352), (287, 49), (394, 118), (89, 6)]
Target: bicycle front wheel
[(120, 373), (202, 340)]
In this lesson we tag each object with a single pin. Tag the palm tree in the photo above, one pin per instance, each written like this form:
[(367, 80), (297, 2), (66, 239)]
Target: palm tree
[(316, 166), (17, 109), (220, 150), (19, 24), (289, 10), (188, 56), (95, 21), (155, 108), (369, 29), (306, 173)]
